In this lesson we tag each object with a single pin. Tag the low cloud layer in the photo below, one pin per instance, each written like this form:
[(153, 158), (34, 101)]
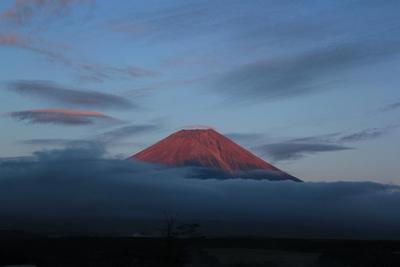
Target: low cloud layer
[(51, 91), (62, 116), (77, 189)]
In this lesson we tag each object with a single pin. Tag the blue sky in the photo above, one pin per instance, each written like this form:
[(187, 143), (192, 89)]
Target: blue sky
[(310, 86)]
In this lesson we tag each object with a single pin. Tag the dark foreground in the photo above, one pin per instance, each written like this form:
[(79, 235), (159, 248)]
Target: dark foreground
[(19, 249)]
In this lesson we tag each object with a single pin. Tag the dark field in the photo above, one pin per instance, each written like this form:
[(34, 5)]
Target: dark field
[(19, 248)]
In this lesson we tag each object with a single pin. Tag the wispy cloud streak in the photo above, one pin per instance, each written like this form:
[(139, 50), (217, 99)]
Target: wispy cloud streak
[(367, 134), (300, 73), (83, 70), (393, 106), (292, 150), (128, 131)]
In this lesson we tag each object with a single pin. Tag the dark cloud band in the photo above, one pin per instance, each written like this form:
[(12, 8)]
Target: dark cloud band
[(51, 91)]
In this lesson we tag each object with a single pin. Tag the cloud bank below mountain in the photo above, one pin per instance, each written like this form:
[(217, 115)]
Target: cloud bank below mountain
[(79, 189)]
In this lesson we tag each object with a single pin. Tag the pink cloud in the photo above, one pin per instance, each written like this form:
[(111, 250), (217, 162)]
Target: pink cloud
[(24, 11), (12, 39), (62, 116)]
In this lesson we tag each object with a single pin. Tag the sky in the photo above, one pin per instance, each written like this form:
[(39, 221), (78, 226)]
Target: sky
[(310, 86)]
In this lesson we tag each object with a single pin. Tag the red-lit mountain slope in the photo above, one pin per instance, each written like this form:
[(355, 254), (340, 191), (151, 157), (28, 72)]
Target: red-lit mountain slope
[(208, 149)]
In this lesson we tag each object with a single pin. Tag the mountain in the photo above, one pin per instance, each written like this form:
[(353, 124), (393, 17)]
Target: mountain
[(212, 153)]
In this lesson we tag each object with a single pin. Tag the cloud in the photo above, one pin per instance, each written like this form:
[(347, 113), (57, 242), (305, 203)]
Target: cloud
[(297, 148), (29, 43), (291, 48), (300, 73), (10, 39), (74, 151), (84, 70), (58, 142), (128, 131), (174, 21), (62, 116), (322, 138), (25, 11), (189, 61), (196, 126), (108, 139), (292, 150), (393, 106), (367, 134), (67, 190), (43, 141), (99, 72), (246, 138), (183, 20), (51, 91), (340, 137)]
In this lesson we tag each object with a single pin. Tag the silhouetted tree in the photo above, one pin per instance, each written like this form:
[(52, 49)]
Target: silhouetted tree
[(172, 230)]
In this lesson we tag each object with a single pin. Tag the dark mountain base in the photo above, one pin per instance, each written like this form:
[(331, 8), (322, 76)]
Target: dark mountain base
[(128, 251)]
